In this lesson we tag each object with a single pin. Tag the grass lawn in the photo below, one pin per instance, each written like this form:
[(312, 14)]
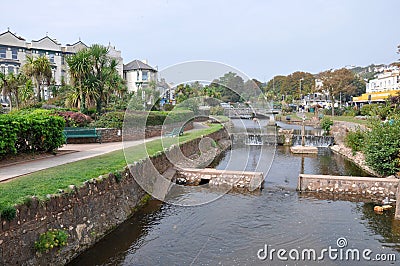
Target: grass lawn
[(48, 181), (351, 119)]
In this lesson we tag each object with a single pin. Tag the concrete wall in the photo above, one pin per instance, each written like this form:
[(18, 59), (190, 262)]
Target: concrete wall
[(370, 187), (87, 213)]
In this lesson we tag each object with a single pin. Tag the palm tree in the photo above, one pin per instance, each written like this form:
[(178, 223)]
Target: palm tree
[(102, 66), (79, 67), (40, 70), (12, 86)]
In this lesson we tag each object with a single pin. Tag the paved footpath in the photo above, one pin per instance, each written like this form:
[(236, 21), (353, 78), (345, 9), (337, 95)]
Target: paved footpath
[(83, 151)]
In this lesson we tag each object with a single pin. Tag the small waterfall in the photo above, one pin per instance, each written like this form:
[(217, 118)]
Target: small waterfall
[(253, 140), (314, 141)]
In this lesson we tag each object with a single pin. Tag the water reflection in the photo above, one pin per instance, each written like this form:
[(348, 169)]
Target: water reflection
[(230, 230)]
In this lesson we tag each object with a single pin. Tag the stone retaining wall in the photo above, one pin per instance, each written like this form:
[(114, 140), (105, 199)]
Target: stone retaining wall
[(87, 213), (115, 134), (370, 187)]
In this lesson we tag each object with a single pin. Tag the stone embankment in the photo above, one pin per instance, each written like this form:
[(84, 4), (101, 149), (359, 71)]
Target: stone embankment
[(89, 212)]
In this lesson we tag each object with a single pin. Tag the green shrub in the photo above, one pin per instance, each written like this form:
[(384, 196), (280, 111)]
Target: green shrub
[(326, 124), (51, 239), (30, 133), (382, 145), (141, 118), (355, 140), (217, 110), (8, 213)]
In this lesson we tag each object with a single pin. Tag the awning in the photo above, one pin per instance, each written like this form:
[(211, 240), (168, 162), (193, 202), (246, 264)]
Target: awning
[(376, 96)]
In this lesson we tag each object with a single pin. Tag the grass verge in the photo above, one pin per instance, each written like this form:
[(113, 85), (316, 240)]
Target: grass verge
[(48, 181)]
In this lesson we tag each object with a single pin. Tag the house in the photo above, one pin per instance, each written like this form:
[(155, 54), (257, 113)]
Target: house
[(138, 74), (379, 89), (388, 80)]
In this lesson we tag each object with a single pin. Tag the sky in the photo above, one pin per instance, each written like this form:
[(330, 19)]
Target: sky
[(260, 38)]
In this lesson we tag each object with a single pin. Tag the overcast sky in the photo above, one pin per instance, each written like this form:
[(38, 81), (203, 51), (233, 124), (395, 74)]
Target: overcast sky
[(260, 38)]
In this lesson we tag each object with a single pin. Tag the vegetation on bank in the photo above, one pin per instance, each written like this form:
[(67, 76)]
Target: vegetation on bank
[(380, 144), (50, 181)]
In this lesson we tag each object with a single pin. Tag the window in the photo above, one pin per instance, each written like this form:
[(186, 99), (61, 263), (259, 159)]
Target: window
[(62, 60), (3, 52), (137, 74), (14, 53), (51, 58), (144, 75), (10, 69)]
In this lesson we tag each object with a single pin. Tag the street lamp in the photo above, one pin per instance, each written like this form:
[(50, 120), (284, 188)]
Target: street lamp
[(300, 88)]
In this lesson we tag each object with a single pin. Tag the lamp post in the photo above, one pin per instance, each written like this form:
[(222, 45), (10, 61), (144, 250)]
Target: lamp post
[(300, 88)]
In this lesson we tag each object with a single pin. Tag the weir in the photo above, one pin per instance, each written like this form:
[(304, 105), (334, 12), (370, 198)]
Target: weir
[(314, 141), (235, 179), (369, 187)]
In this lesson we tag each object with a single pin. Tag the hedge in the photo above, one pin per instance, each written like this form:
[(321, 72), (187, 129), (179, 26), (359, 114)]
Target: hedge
[(382, 148), (30, 133), (139, 119)]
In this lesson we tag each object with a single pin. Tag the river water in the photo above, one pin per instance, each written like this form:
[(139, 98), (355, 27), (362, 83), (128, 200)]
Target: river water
[(232, 229)]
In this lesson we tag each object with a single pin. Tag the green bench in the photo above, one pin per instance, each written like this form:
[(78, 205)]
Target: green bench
[(175, 132), (81, 132)]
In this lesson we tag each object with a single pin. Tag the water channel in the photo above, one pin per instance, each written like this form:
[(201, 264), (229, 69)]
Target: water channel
[(231, 229)]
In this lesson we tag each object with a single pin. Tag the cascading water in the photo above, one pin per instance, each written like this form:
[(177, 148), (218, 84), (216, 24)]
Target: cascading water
[(314, 141), (253, 140)]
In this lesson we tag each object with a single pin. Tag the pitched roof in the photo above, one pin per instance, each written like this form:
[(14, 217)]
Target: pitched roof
[(47, 37), (18, 37), (136, 65)]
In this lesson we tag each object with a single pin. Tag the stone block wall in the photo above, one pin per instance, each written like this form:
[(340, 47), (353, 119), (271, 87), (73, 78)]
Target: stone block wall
[(87, 213), (370, 187), (233, 179), (115, 134)]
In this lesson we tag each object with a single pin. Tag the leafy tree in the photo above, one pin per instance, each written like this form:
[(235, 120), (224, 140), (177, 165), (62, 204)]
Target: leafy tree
[(338, 81), (290, 85), (230, 86)]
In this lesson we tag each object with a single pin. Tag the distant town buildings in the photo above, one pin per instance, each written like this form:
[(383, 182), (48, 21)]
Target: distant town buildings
[(385, 84), (386, 81)]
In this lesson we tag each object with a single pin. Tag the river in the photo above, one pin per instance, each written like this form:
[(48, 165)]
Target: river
[(232, 229)]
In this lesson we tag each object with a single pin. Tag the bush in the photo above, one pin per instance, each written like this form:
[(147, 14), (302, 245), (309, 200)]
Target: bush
[(351, 111), (74, 119), (382, 145), (355, 140), (139, 119), (51, 239), (30, 133), (8, 213), (326, 124), (217, 110)]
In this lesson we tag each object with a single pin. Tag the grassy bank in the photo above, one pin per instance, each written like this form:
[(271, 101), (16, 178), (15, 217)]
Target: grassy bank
[(49, 181)]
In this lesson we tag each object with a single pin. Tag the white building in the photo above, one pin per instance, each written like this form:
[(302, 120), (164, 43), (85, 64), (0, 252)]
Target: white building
[(138, 74), (14, 50), (387, 81)]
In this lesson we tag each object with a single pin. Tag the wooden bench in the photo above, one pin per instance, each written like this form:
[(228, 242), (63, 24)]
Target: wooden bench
[(81, 132), (175, 132)]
